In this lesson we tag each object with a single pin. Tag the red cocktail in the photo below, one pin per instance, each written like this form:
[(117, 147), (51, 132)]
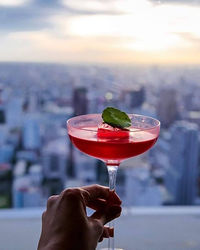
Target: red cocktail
[(112, 145), (113, 149)]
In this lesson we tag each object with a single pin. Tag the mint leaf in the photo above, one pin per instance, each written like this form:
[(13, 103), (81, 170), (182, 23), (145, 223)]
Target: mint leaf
[(116, 118)]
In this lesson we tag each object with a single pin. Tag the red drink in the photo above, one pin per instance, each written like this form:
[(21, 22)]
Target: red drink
[(113, 146)]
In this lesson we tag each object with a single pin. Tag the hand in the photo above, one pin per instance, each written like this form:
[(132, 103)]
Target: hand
[(65, 224)]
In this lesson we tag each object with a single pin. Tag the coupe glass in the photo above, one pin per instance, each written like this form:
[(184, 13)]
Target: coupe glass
[(115, 145)]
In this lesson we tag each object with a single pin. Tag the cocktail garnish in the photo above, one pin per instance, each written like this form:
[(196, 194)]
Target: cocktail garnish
[(106, 131), (116, 118)]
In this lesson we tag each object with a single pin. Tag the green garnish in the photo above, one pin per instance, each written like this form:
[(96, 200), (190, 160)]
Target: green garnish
[(116, 118)]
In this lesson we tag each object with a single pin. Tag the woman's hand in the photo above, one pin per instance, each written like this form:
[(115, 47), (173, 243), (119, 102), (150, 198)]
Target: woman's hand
[(65, 224)]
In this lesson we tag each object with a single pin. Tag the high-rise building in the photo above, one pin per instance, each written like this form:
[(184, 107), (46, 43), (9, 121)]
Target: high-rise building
[(14, 112), (181, 177), (167, 107), (31, 134), (2, 108), (3, 125), (137, 188), (6, 153), (54, 166), (80, 105), (6, 184), (2, 116), (3, 134), (80, 101), (54, 172), (133, 98), (84, 167)]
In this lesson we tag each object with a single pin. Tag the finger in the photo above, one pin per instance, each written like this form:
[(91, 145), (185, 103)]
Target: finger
[(74, 199), (113, 213), (114, 198), (98, 204), (111, 232), (101, 239), (72, 205), (99, 215), (107, 215), (77, 197), (107, 232), (97, 191), (51, 201)]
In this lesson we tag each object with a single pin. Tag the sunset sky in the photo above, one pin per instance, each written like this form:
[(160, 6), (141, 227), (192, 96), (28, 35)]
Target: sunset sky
[(100, 31)]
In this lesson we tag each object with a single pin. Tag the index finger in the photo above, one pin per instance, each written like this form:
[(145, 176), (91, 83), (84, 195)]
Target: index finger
[(114, 198), (97, 191)]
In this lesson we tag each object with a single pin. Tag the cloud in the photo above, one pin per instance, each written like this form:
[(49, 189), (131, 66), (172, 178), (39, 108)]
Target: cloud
[(192, 39), (94, 6), (43, 46), (13, 2), (187, 2), (31, 15), (27, 15), (105, 7)]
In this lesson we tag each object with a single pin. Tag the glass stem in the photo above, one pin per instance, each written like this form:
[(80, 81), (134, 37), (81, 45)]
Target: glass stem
[(112, 172)]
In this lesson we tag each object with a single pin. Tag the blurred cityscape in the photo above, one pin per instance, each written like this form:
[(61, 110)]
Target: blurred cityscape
[(37, 159)]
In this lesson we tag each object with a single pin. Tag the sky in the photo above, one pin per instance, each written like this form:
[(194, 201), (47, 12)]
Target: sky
[(100, 31)]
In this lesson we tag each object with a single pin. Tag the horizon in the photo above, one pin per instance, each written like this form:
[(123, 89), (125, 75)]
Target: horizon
[(102, 64)]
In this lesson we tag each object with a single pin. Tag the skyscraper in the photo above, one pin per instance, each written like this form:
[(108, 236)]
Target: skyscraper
[(54, 156), (181, 177), (31, 134), (2, 110), (80, 102), (80, 105), (14, 112), (167, 107), (133, 98), (2, 116), (55, 159)]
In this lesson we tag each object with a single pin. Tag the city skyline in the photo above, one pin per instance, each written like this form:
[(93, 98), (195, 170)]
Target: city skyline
[(130, 31), (37, 99)]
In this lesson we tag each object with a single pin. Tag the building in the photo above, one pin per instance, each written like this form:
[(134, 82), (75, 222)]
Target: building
[(80, 101), (133, 98), (84, 167), (6, 153), (2, 116), (136, 185), (167, 107), (181, 177), (6, 185), (31, 134), (55, 161), (14, 112)]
